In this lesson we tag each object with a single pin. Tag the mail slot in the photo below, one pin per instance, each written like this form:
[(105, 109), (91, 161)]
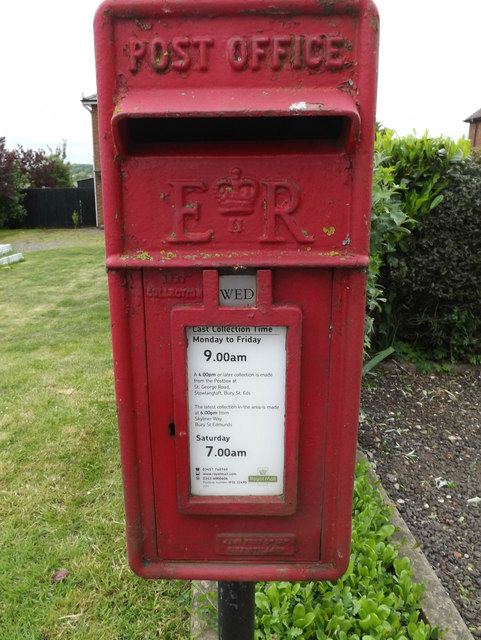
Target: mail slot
[(137, 136), (236, 144)]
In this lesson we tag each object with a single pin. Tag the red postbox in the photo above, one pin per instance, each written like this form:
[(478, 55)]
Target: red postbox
[(236, 143)]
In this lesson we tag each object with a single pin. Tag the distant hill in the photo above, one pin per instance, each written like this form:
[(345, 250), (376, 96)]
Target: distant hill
[(81, 171)]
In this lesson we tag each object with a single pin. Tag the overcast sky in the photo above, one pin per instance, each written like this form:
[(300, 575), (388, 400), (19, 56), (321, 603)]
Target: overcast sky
[(429, 72)]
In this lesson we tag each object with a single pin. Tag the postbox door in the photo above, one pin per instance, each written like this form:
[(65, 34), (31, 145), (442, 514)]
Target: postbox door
[(206, 530)]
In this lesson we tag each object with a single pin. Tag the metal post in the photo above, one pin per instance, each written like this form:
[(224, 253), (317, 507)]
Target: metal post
[(236, 610)]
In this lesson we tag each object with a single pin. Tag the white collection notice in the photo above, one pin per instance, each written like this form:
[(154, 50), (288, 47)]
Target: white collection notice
[(236, 380)]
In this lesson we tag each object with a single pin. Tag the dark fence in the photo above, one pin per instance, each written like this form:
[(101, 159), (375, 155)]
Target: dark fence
[(56, 207)]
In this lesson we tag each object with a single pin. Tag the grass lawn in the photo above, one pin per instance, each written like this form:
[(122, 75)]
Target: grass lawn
[(61, 507)]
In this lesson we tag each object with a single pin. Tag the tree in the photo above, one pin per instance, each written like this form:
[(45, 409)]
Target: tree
[(39, 170), (11, 196)]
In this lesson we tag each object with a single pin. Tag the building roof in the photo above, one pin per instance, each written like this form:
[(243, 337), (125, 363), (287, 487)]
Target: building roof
[(89, 100), (475, 117)]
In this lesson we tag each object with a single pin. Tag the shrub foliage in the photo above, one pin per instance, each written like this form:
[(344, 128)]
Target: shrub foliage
[(11, 196), (376, 598), (425, 204), (435, 281)]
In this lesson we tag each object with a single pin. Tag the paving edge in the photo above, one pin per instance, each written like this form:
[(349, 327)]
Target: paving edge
[(437, 607), (16, 257), (5, 248)]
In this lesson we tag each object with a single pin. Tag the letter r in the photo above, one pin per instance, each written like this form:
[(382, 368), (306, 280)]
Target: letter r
[(281, 200)]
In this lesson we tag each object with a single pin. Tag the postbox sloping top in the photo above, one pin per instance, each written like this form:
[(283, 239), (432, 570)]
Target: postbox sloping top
[(244, 102)]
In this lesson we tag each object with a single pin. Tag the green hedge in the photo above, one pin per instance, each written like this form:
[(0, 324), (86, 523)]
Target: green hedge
[(435, 282), (422, 285)]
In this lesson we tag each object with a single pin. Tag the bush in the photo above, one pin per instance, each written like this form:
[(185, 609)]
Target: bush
[(435, 281), (376, 598), (421, 166), (410, 176), (389, 224)]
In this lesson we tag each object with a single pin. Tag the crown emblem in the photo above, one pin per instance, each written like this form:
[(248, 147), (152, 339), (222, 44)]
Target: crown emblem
[(236, 195)]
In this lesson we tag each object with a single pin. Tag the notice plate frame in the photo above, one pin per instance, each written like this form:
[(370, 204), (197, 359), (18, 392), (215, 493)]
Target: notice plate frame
[(263, 314)]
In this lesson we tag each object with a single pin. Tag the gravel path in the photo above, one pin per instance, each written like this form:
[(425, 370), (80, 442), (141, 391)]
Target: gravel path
[(422, 434), (43, 239)]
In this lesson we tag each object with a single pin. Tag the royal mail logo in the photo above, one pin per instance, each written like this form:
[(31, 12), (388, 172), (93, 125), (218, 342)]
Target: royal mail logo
[(237, 196), (263, 478)]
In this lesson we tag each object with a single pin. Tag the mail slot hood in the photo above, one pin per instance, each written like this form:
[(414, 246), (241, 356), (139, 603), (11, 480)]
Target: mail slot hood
[(150, 122)]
